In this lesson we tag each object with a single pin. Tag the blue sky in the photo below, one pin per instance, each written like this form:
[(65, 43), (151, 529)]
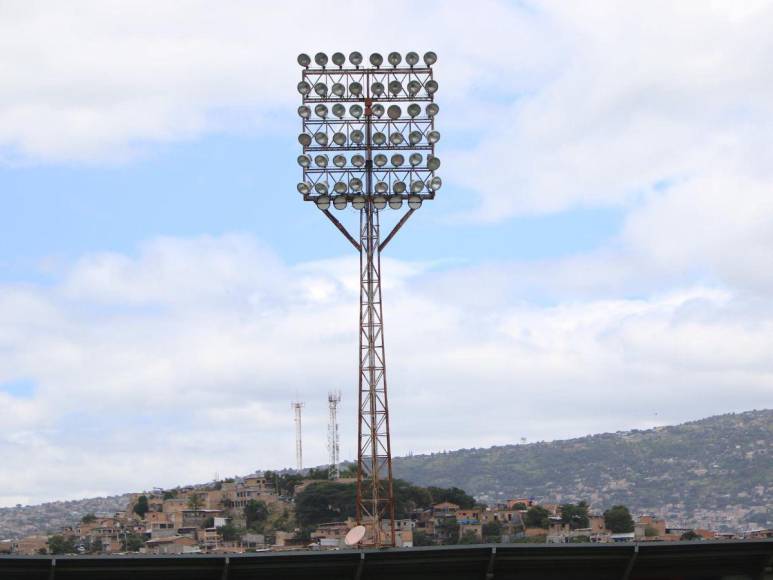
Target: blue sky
[(598, 258)]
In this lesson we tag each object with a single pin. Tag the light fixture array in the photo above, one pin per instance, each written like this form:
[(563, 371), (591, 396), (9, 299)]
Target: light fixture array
[(368, 132)]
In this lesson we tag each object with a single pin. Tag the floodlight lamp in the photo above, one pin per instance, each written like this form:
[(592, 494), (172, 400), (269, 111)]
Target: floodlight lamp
[(381, 187), (379, 202), (355, 111), (321, 111), (304, 60), (304, 187), (395, 87), (304, 139), (395, 202), (304, 112), (414, 201), (321, 89), (379, 138), (321, 187), (397, 160), (415, 159), (394, 58), (377, 89), (394, 112), (339, 160), (355, 58), (340, 187), (339, 202), (433, 137), (398, 187), (304, 88), (396, 138), (432, 110), (414, 110), (321, 160), (431, 87), (355, 88), (358, 202), (338, 89), (355, 184), (376, 59), (339, 110), (321, 139), (435, 183), (412, 58), (356, 136), (417, 186), (414, 137), (377, 110), (321, 59), (338, 59), (304, 160), (339, 139), (430, 58), (358, 160), (380, 160), (414, 87), (433, 163), (323, 202)]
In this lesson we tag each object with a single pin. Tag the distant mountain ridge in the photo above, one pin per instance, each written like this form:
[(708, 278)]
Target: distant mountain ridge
[(716, 472)]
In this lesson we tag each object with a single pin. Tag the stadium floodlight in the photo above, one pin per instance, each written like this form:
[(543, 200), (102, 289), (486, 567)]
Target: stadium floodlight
[(368, 146)]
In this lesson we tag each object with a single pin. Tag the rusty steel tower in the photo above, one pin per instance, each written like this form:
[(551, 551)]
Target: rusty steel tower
[(333, 444), (362, 150)]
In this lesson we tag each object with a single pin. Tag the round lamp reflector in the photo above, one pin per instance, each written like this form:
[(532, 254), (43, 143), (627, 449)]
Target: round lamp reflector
[(414, 201), (379, 201), (376, 59), (339, 202), (323, 202), (412, 58), (358, 202), (430, 58), (304, 60), (395, 202)]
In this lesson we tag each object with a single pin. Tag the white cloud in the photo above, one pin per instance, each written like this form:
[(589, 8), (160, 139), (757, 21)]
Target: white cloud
[(180, 361)]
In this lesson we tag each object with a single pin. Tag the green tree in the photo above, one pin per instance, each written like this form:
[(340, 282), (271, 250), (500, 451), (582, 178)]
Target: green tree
[(207, 523), (255, 514), (575, 516), (689, 535), (88, 518), (650, 532), (519, 506), (325, 501), (453, 495), (230, 532), (409, 497), (537, 517), (618, 520), (132, 543), (448, 530), (141, 507), (96, 546), (469, 537), (195, 502), (322, 473), (170, 494), (492, 532), (58, 544), (422, 539)]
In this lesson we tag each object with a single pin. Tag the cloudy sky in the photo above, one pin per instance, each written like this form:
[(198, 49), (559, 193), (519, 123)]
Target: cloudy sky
[(600, 257)]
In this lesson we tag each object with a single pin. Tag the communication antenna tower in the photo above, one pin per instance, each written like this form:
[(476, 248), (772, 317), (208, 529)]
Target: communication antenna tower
[(297, 406), (333, 447)]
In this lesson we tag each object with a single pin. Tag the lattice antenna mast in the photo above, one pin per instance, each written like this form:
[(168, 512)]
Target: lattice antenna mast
[(333, 445), (297, 406), (382, 157)]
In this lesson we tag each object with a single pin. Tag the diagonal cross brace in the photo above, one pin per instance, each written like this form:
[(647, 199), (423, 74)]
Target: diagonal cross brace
[(342, 229), (399, 224)]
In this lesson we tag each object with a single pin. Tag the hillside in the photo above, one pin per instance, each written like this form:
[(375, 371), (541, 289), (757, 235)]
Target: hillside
[(716, 472)]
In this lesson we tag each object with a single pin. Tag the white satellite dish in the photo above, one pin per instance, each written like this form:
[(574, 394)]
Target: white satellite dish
[(355, 535)]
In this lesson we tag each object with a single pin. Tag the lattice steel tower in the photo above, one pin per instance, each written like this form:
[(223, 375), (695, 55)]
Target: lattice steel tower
[(297, 406), (361, 175), (333, 445)]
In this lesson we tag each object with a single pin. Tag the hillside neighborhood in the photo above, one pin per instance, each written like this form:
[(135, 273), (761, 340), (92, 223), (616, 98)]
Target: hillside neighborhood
[(269, 511)]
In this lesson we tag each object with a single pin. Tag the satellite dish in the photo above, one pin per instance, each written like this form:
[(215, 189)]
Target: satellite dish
[(355, 535)]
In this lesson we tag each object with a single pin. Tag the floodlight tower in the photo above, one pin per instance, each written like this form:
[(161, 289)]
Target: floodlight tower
[(333, 445), (377, 161)]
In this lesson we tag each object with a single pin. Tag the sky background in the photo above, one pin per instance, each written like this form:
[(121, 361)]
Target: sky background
[(600, 257)]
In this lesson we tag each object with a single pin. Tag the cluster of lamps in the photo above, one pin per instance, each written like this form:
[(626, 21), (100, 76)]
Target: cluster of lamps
[(394, 112), (355, 58)]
